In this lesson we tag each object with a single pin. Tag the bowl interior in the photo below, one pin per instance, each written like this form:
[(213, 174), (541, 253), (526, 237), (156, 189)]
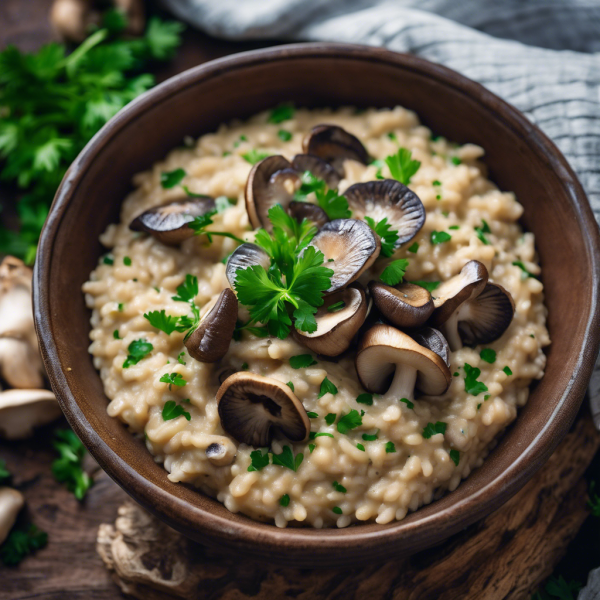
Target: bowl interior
[(519, 158)]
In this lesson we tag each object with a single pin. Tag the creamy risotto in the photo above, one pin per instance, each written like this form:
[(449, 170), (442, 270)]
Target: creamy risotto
[(342, 449)]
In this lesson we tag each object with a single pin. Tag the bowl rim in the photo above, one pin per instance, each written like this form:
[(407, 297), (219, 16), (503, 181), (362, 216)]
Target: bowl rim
[(249, 535)]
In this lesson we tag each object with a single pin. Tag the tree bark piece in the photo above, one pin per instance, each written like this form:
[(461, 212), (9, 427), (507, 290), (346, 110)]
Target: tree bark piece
[(505, 556)]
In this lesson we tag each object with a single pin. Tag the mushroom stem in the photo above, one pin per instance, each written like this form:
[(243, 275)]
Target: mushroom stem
[(403, 385), (450, 331)]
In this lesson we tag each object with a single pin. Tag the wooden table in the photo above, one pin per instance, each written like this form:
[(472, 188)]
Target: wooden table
[(505, 556)]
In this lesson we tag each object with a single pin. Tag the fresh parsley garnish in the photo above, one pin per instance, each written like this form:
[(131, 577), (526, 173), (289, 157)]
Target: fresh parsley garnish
[(390, 447), (188, 290), (361, 447), (365, 398), (173, 379), (402, 166), (433, 429), (337, 510), (455, 160), (413, 248), (330, 418), (284, 135), (301, 361), (488, 355), (334, 205), (311, 415), (258, 460), (170, 179), (394, 272), (109, 260), (283, 112), (389, 236), (526, 273), (254, 156), (20, 543), (370, 437), (407, 402), (508, 371), (428, 285), (349, 421), (162, 321), (287, 459), (439, 237), (137, 350), (284, 500), (338, 487), (222, 203), (455, 456), (116, 334), (482, 230), (311, 447), (291, 386), (180, 358), (201, 222), (68, 468), (312, 435), (472, 386), (327, 388), (172, 410)]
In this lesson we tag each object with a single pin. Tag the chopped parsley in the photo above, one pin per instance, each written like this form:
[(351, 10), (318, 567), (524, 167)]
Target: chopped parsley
[(284, 135), (339, 487), (162, 321), (487, 397), (454, 227), (287, 459), (108, 260), (254, 156), (336, 306), (127, 261), (68, 467), (311, 447), (508, 371), (244, 366), (472, 386), (482, 230), (526, 273), (180, 358), (433, 429), (313, 435), (488, 355), (291, 386), (439, 237), (428, 285), (327, 388), (222, 203), (436, 182), (365, 399), (20, 543), (389, 236), (284, 500), (334, 205), (370, 437), (337, 510), (301, 361), (330, 418), (169, 179), (402, 166), (116, 334), (455, 160), (188, 290), (394, 272), (137, 350), (283, 112), (200, 223), (414, 247), (455, 374), (258, 460), (407, 402), (360, 447), (349, 421), (390, 447), (120, 307), (455, 456), (311, 415), (172, 410), (241, 139), (173, 379)]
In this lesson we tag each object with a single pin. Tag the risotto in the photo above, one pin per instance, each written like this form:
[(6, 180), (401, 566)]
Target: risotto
[(429, 325)]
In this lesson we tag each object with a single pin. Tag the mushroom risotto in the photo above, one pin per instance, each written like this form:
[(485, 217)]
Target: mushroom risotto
[(319, 317)]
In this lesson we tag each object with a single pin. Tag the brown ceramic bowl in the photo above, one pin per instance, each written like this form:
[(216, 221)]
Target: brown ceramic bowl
[(520, 158)]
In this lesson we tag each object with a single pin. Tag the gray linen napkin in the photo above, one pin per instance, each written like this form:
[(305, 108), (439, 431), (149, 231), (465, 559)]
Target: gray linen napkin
[(542, 56)]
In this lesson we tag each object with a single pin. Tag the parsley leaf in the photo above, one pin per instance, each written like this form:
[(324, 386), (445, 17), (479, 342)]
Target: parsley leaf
[(254, 156), (390, 447), (361, 447), (284, 500), (162, 321), (170, 179), (472, 386), (4, 472), (394, 272), (312, 435), (337, 510), (349, 421), (311, 415), (20, 543), (338, 487), (433, 429), (180, 358), (68, 468), (488, 355), (283, 112), (286, 459), (508, 371), (330, 418), (336, 306), (402, 166), (521, 265), (407, 402), (173, 379), (389, 236), (482, 230), (137, 350), (258, 460), (301, 361), (201, 222), (334, 205), (365, 399), (439, 237), (369, 437), (327, 388), (284, 135), (455, 456), (428, 285), (188, 290), (414, 248), (172, 410)]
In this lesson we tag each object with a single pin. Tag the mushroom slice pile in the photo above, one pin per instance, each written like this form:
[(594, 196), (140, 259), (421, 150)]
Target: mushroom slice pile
[(352, 245), (462, 317), (168, 223), (23, 410), (386, 353), (434, 340), (210, 340), (244, 256), (335, 145), (389, 199), (251, 407), (338, 320), (406, 305)]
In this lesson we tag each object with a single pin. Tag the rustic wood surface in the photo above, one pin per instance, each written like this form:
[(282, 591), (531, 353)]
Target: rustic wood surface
[(505, 556)]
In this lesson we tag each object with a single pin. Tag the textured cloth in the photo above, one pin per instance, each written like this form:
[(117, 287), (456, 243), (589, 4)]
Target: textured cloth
[(542, 56)]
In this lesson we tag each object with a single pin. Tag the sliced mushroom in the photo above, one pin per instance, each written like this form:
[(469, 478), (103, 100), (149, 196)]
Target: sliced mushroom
[(11, 503), (311, 212), (251, 407), (338, 320), (271, 181), (434, 340), (317, 167), (406, 305), (335, 145), (244, 256), (456, 312), (221, 451), (210, 340), (352, 245), (486, 317), (168, 223), (388, 199), (23, 410), (385, 354)]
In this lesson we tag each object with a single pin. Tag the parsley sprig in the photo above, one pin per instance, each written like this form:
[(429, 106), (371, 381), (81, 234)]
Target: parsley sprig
[(68, 468), (20, 543), (402, 166), (388, 236), (200, 223), (334, 204)]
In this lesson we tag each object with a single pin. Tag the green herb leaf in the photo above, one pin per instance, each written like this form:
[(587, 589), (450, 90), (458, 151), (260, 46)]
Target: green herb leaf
[(402, 166), (389, 236), (428, 285), (488, 355), (390, 447), (407, 402), (254, 156), (20, 543), (137, 350), (283, 112), (170, 179), (68, 468), (455, 160), (413, 248), (508, 371), (109, 260), (284, 135), (559, 588), (455, 456), (188, 290), (433, 429), (301, 361), (284, 500), (311, 447), (337, 510), (312, 435), (369, 437), (258, 460), (526, 273), (394, 272), (162, 321), (360, 447), (291, 386), (330, 418), (327, 388), (334, 205), (173, 379), (472, 386), (439, 237), (349, 421), (287, 459), (339, 487), (180, 358), (365, 399), (311, 415), (172, 410)]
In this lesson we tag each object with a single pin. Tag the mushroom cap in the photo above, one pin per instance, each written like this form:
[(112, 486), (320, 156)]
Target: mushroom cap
[(388, 198), (271, 181), (16, 311), (334, 145), (335, 329), (405, 305), (168, 223), (384, 347), (22, 410), (318, 167), (252, 406), (244, 256), (210, 340), (486, 317), (453, 292), (353, 246), (311, 212), (434, 340), (20, 364)]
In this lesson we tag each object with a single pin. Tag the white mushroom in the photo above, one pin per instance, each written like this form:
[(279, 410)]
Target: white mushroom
[(11, 502), (23, 410)]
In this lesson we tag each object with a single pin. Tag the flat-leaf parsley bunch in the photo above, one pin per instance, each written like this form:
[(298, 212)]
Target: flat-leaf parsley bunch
[(293, 286)]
